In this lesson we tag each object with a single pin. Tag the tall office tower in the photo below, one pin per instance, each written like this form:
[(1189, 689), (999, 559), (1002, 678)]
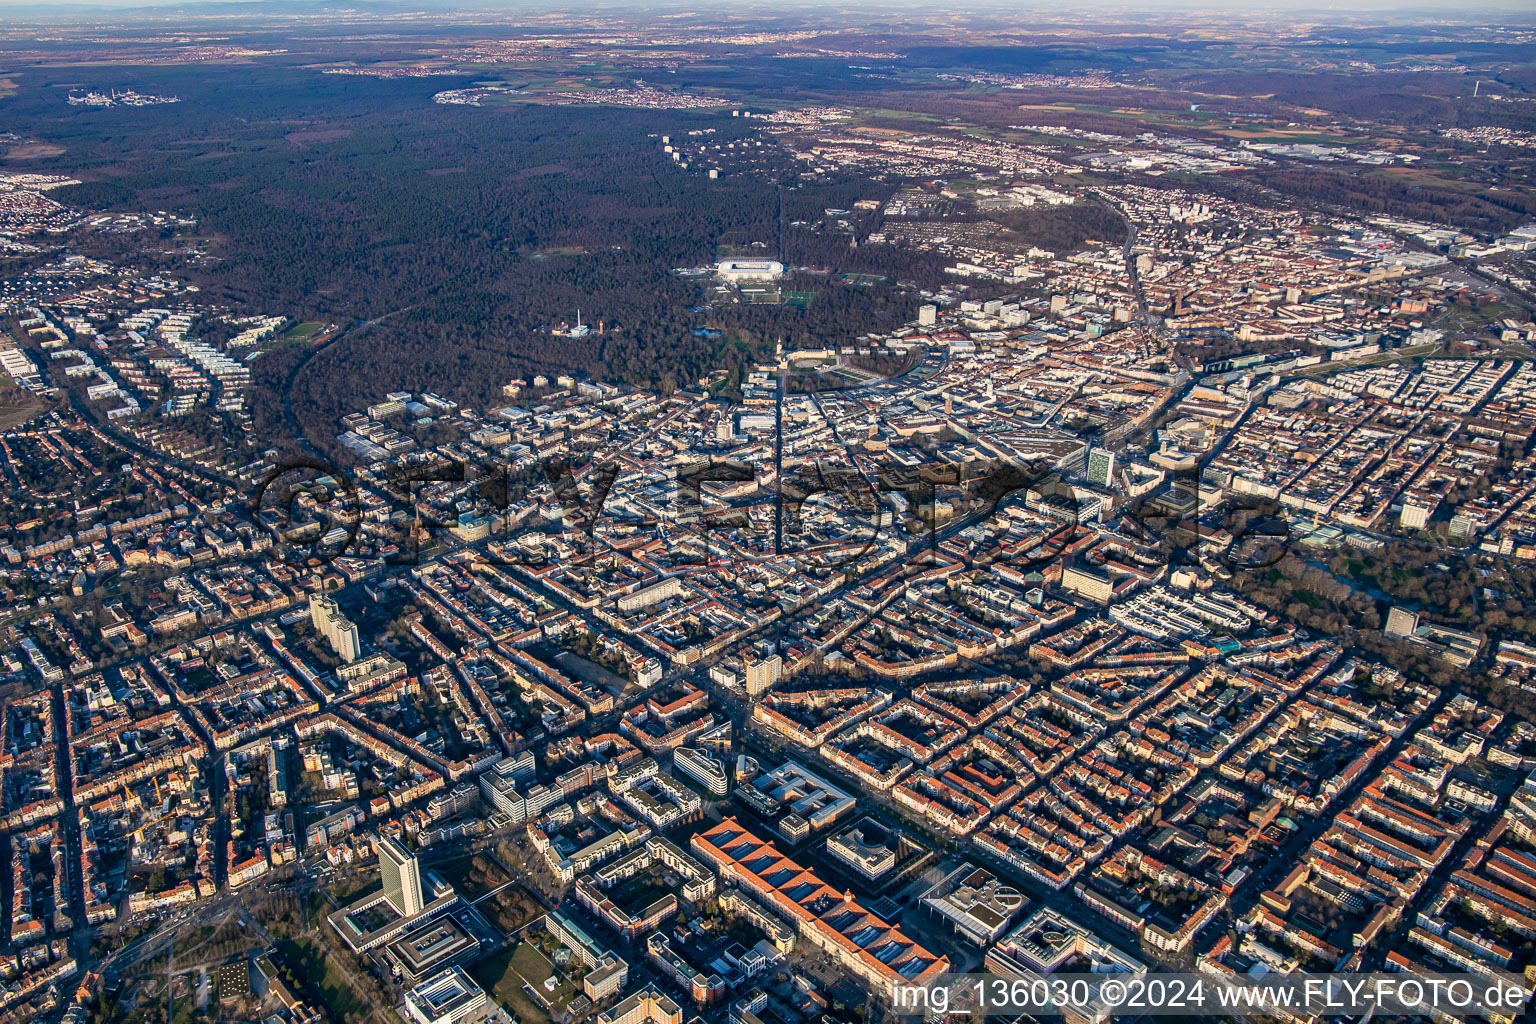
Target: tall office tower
[(1101, 466), (927, 315), (402, 876)]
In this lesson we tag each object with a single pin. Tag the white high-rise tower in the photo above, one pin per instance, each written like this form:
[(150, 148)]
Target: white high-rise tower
[(1101, 466), (402, 876)]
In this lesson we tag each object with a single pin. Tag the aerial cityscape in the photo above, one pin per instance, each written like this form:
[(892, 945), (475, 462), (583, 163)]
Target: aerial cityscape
[(763, 514)]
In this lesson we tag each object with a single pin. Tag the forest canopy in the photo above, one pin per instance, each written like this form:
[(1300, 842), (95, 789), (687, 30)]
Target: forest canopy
[(451, 238)]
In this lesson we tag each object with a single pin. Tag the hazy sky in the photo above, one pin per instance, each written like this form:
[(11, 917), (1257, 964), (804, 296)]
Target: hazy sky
[(1448, 6), (1467, 11)]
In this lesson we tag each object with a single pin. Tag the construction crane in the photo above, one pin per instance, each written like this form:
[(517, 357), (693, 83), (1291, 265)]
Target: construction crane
[(138, 833)]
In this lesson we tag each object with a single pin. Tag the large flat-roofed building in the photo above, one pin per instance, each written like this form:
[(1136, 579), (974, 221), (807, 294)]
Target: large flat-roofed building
[(1095, 586), (699, 767), (653, 594), (426, 951), (608, 972), (702, 985), (373, 921), (975, 902), (510, 788), (234, 981), (448, 997), (1049, 942), (606, 978), (381, 917), (333, 826), (370, 671), (267, 981), (867, 847), (878, 953), (575, 936), (648, 1006), (749, 270), (812, 802)]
